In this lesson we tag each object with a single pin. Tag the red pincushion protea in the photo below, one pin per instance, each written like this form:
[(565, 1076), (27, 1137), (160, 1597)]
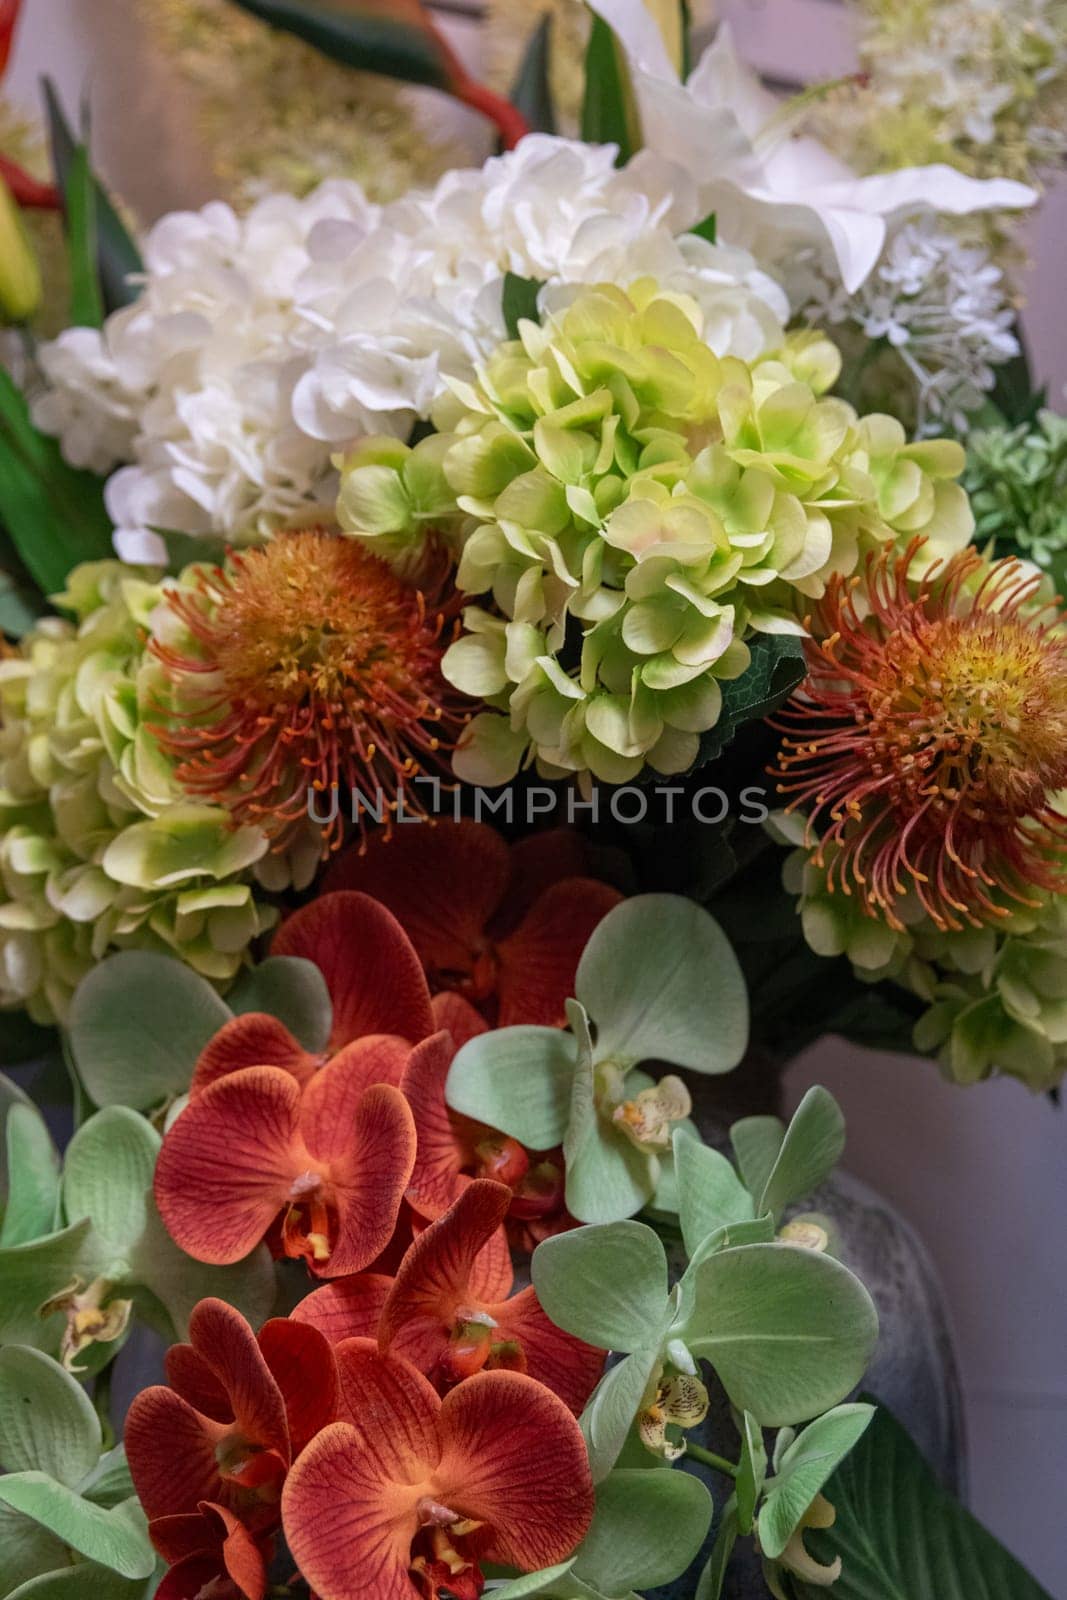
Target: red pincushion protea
[(931, 736), (306, 666)]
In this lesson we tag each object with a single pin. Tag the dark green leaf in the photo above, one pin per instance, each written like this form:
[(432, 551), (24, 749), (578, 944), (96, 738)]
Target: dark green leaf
[(53, 512), (609, 113), (183, 549), (20, 607), (531, 93), (885, 1489), (519, 301), (359, 37), (776, 669), (117, 256), (708, 229), (1015, 394), (86, 300)]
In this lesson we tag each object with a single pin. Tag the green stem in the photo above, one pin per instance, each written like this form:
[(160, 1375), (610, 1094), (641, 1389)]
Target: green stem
[(710, 1459)]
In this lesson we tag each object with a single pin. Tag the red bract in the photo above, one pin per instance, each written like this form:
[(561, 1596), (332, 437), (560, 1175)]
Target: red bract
[(322, 1166), (447, 1310), (452, 1148), (502, 925), (210, 1552), (381, 1004), (411, 1494), (238, 1412)]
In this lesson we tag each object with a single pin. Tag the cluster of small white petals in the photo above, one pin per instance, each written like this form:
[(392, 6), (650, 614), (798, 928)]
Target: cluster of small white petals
[(260, 345), (941, 304)]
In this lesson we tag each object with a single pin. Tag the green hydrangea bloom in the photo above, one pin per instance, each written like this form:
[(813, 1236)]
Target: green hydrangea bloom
[(1017, 478), (996, 996), (99, 851), (628, 508)]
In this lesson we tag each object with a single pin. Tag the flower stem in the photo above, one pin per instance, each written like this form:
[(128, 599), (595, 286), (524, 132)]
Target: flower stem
[(710, 1459)]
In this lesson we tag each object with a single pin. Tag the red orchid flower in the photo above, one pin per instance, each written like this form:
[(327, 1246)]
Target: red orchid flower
[(502, 925), (319, 1167), (408, 1497), (447, 1310), (381, 1004), (238, 1412), (452, 1147), (210, 1552)]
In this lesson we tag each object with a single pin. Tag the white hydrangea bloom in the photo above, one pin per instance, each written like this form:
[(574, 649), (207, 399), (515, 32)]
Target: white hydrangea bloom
[(941, 304), (262, 344)]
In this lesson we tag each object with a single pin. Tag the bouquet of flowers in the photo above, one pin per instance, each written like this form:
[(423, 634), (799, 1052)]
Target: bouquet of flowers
[(480, 666)]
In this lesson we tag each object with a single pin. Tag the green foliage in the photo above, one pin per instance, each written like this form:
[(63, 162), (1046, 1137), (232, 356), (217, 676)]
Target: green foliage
[(520, 299), (53, 513), (647, 1528), (660, 983), (776, 669), (32, 1176), (359, 37), (1017, 480), (291, 989), (898, 1532), (104, 257), (609, 111), (138, 1022), (50, 1501), (531, 92)]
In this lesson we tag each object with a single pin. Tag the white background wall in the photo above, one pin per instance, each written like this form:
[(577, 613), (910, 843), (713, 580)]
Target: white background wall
[(981, 1173)]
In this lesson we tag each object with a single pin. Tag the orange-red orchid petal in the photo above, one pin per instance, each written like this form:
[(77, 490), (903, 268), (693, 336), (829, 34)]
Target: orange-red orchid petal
[(440, 1154), (252, 1040), (228, 1163), (226, 1343), (457, 1017), (433, 1283), (513, 1457), (538, 962), (370, 1163), (171, 1454), (564, 1364), (500, 1450), (373, 975), (537, 862), (346, 1308), (301, 1363), (442, 884), (208, 1550)]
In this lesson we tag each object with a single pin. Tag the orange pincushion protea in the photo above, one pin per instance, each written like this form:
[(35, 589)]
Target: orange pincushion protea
[(307, 666), (931, 735)]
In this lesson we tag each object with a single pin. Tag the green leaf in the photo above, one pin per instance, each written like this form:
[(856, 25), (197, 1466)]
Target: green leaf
[(117, 256), (776, 669), (116, 1538), (110, 1481), (884, 1489), (28, 1550), (33, 1273), (708, 229), (107, 1172), (609, 1416), (178, 1282), (291, 989), (518, 1080), (710, 1194), (86, 301), (804, 1468), (53, 512), (21, 607), (33, 1177), (789, 1332), (607, 1285), (608, 1177), (138, 1022), (647, 1528), (751, 1471), (531, 92), (609, 112), (662, 983), (714, 1574), (358, 37), (519, 301), (47, 1421), (812, 1147), (756, 1142), (86, 1581)]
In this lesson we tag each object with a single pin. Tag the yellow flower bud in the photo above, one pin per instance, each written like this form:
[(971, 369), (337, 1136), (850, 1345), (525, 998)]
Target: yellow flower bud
[(20, 277)]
